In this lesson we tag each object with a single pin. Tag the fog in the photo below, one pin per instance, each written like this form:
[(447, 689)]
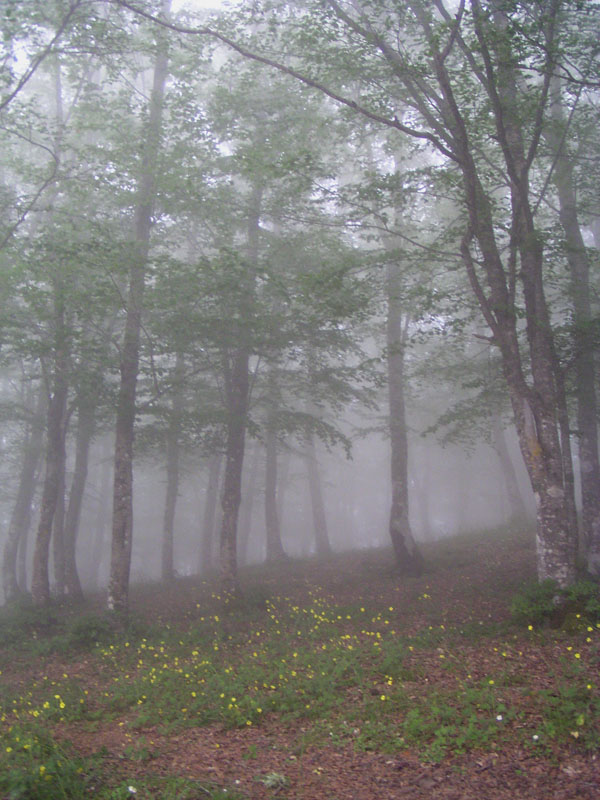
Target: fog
[(265, 294)]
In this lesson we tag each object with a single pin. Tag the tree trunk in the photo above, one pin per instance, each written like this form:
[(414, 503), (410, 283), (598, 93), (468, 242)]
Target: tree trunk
[(247, 507), (102, 521), (21, 514), (585, 367), (518, 509), (55, 455), (118, 590), (237, 395), (211, 497), (85, 432), (237, 407), (322, 543), (58, 534), (275, 551), (408, 555), (173, 436)]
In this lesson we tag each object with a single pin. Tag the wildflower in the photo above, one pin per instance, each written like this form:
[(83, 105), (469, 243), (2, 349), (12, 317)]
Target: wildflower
[(535, 737), (530, 627), (499, 717), (132, 790)]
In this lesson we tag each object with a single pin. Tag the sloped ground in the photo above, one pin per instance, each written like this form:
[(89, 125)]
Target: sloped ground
[(330, 680)]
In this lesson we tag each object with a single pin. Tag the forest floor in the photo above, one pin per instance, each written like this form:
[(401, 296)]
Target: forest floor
[(327, 681)]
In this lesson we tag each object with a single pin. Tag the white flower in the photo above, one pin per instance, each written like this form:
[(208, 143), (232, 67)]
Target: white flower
[(535, 737), (499, 717), (132, 790)]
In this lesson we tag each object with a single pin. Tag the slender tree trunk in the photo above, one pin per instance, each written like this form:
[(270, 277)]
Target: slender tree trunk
[(173, 436), (408, 555), (118, 590), (585, 356), (85, 432), (237, 407), (275, 551), (21, 514), (237, 392), (283, 482), (58, 534), (247, 507), (211, 498), (55, 456), (322, 543), (102, 521), (518, 509)]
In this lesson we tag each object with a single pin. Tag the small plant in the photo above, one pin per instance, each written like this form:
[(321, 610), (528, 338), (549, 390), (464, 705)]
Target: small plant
[(34, 767), (535, 603), (274, 780), (543, 602)]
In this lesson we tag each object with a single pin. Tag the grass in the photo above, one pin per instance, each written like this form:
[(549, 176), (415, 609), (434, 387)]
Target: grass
[(416, 667)]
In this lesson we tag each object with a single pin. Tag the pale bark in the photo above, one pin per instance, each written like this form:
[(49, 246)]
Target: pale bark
[(122, 531), (408, 555)]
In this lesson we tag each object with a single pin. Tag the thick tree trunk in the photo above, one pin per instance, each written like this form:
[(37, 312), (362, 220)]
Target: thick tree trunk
[(85, 432), (211, 498), (21, 515), (579, 269), (408, 555), (321, 533), (118, 590), (535, 404), (516, 504), (173, 436), (275, 551)]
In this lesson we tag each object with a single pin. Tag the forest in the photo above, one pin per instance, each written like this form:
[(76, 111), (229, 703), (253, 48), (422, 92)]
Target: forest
[(299, 309)]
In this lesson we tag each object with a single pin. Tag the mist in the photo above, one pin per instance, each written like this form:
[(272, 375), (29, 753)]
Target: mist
[(248, 317)]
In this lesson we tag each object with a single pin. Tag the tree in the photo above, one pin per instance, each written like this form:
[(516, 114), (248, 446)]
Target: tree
[(118, 593)]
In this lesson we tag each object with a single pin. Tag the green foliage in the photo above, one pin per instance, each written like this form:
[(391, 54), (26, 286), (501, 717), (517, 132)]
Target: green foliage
[(535, 603), (21, 621), (33, 766), (540, 602)]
